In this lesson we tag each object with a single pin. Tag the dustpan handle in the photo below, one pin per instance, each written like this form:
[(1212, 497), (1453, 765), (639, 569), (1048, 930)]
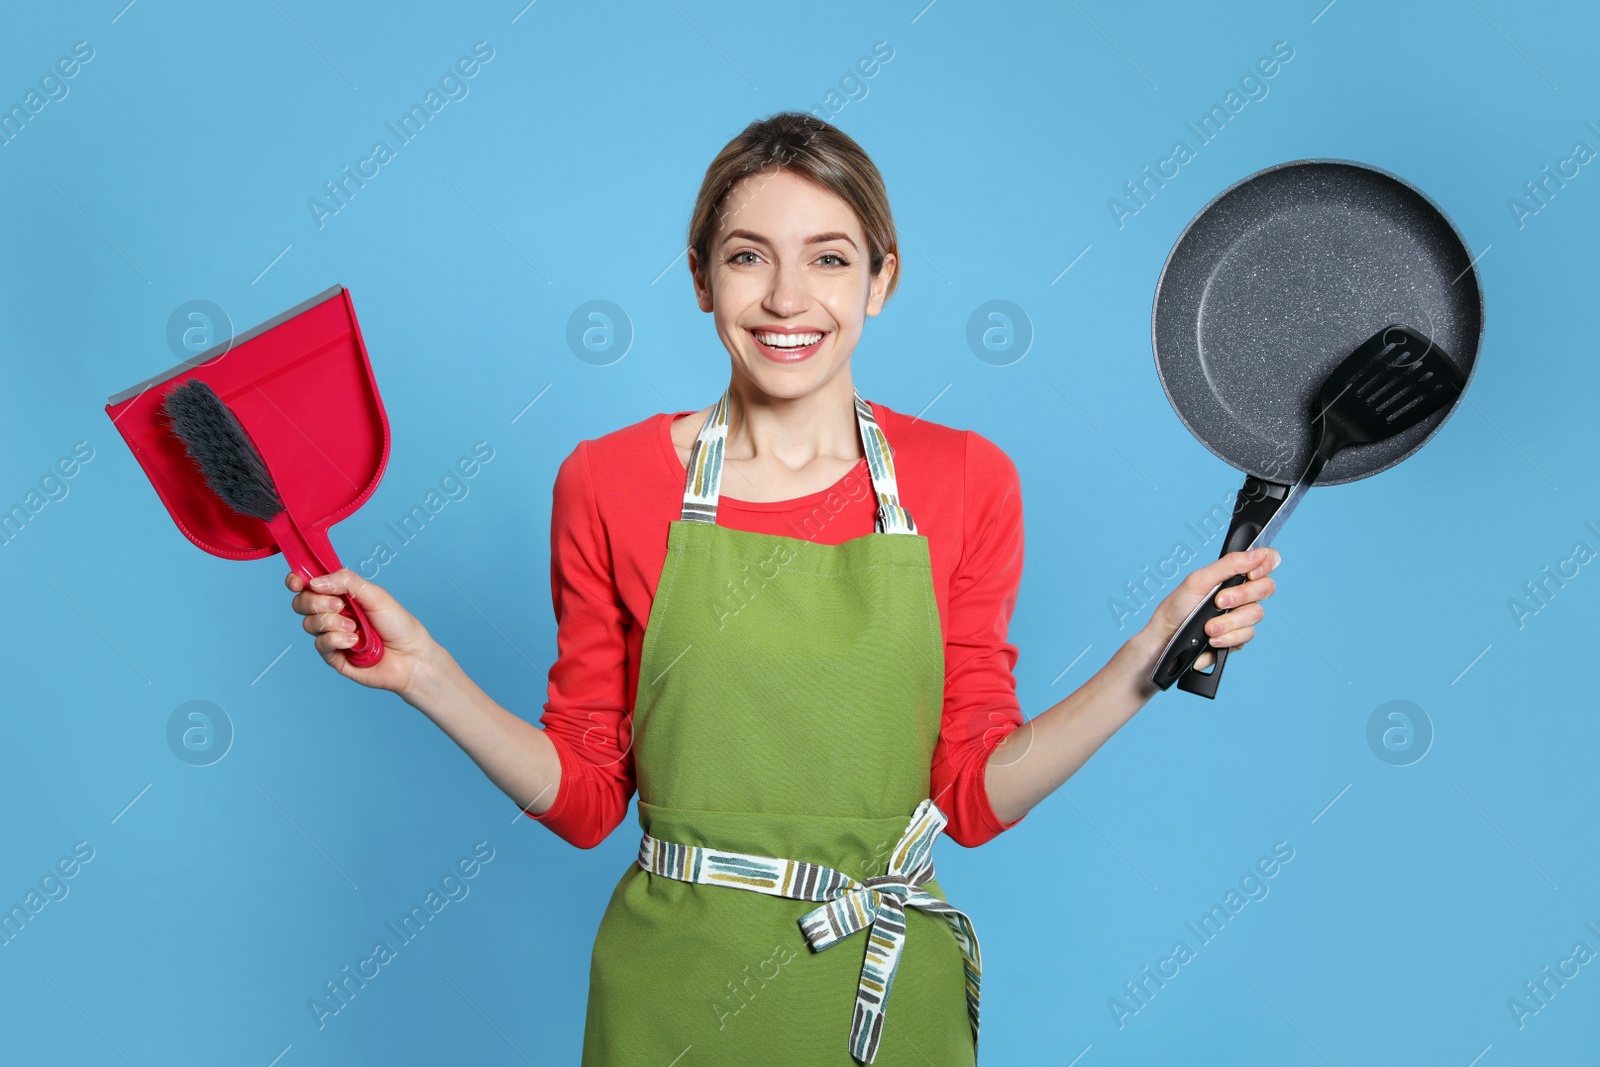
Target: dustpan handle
[(310, 554)]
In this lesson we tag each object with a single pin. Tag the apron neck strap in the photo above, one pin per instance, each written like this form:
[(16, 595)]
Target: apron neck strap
[(703, 483)]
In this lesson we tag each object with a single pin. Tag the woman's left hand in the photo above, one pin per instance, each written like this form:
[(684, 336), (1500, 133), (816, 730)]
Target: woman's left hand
[(1234, 628)]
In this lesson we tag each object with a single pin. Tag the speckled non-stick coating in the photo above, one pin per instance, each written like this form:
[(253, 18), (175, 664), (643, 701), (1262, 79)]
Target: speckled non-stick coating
[(1280, 277)]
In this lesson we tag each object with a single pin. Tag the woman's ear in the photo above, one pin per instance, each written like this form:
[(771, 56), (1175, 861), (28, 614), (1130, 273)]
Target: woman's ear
[(702, 282), (880, 283)]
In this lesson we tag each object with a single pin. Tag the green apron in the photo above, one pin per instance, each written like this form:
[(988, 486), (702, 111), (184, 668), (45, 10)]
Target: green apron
[(789, 699)]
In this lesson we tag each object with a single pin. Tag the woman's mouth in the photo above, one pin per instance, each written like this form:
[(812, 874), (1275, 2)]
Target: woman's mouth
[(788, 347)]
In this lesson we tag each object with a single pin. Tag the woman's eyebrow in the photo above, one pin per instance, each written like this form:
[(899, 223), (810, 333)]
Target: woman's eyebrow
[(821, 238)]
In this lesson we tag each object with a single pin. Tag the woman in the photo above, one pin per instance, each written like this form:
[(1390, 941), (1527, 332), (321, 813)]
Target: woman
[(815, 661)]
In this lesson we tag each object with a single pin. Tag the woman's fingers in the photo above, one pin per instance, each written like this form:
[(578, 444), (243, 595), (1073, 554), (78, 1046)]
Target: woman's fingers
[(344, 580), (1254, 563), (1269, 566), (1234, 638), (323, 601), (1225, 627), (1240, 604), (1225, 567), (334, 640), (309, 603), (1236, 626), (1246, 592), (326, 621), (320, 597)]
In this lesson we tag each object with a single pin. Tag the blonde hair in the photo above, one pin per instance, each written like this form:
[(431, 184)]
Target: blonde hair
[(801, 144)]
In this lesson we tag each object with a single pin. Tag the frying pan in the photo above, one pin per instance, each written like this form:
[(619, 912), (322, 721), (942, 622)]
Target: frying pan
[(301, 383), (1269, 287)]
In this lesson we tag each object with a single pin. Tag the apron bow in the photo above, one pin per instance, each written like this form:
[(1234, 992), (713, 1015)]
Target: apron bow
[(878, 902)]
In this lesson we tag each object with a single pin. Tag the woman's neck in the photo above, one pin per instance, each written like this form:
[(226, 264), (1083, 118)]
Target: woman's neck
[(766, 431)]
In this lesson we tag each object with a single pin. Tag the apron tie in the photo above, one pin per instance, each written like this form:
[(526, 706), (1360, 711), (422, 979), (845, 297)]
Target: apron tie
[(878, 902)]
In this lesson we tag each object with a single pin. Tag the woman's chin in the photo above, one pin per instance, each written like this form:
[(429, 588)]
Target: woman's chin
[(789, 381)]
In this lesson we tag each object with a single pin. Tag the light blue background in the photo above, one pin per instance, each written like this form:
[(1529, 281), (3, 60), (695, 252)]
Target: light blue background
[(178, 168)]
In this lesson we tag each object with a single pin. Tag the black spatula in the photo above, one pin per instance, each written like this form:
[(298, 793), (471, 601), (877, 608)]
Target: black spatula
[(1393, 381)]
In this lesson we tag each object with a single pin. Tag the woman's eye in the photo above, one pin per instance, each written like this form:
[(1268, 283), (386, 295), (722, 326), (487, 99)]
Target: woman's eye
[(735, 258), (838, 259)]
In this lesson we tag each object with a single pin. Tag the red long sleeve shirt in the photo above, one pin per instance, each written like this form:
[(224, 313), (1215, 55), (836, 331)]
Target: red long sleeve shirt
[(613, 499)]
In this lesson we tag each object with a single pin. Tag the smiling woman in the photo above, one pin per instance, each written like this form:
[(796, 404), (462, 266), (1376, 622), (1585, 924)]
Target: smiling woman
[(801, 716)]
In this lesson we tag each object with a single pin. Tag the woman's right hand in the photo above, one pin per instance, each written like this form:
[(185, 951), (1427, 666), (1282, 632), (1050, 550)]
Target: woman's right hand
[(405, 640)]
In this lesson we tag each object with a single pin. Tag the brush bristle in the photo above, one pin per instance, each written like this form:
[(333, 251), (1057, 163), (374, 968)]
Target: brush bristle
[(212, 436)]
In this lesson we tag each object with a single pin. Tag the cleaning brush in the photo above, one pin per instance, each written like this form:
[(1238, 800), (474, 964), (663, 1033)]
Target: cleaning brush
[(234, 469)]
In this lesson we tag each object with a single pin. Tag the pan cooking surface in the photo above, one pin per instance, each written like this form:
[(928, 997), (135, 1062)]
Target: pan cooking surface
[(1282, 276)]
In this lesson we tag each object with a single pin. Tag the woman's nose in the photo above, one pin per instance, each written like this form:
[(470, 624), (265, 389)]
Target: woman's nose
[(788, 293)]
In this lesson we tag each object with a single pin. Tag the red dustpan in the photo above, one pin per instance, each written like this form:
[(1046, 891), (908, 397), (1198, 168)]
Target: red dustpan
[(302, 387)]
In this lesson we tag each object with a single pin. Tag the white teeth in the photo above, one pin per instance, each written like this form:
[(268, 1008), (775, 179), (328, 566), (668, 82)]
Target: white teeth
[(787, 340)]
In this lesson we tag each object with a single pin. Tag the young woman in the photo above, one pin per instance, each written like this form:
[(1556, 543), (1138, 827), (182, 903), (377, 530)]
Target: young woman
[(782, 620)]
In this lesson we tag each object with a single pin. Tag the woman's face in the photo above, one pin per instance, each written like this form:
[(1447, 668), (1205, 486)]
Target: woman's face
[(787, 281)]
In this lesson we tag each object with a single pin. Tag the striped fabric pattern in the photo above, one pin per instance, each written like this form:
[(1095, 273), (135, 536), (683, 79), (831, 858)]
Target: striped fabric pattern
[(877, 905), (892, 518), (703, 480), (703, 483)]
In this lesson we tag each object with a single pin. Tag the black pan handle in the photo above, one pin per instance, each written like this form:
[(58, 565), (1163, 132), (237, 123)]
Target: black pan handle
[(1257, 501), (1194, 680)]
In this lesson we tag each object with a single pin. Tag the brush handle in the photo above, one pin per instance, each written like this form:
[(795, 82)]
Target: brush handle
[(310, 554)]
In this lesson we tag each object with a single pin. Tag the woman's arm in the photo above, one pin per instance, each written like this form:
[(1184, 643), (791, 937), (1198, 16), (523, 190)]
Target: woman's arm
[(514, 753), (575, 773), (1037, 757)]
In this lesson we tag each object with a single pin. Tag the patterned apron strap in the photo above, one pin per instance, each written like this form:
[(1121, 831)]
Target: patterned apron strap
[(702, 485), (878, 903)]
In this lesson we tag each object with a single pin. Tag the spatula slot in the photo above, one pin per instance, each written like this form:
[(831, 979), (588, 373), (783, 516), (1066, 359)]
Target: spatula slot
[(1413, 402), (1405, 388)]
